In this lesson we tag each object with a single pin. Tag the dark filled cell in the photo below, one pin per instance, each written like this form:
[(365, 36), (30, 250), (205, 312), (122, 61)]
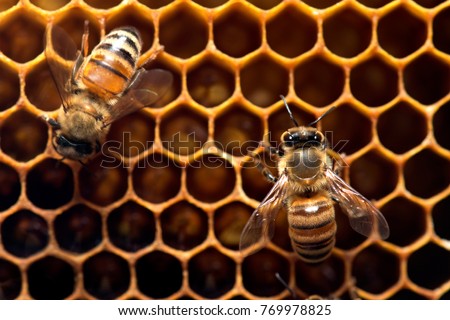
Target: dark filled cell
[(131, 227), (24, 233), (374, 3), (23, 136), (291, 32), (347, 33), (159, 274), (184, 226), (9, 87), (210, 84), (217, 171), (441, 30), (321, 4), (101, 4), (375, 270), (406, 294), (183, 32), (441, 218), (49, 5), (211, 274), (259, 273), (78, 229), (238, 131), (155, 4), (265, 4), (441, 129), (236, 33), (157, 178), (50, 278), (106, 275), (229, 221), (10, 280)]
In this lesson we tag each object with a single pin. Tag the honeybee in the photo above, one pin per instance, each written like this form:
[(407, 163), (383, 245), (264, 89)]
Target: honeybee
[(306, 187), (99, 88)]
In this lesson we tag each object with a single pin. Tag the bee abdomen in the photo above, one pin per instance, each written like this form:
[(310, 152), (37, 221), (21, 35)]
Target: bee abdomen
[(312, 228), (113, 61)]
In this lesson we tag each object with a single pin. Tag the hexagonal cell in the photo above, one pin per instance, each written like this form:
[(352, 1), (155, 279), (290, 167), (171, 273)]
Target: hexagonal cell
[(291, 32), (406, 220), (159, 274), (323, 278), (23, 136), (99, 4), (217, 171), (346, 129), (106, 275), (136, 18), (21, 35), (373, 176), (401, 128), (263, 80), (183, 31), (10, 187), (406, 294), (279, 122), (78, 229), (210, 3), (73, 23), (24, 233), (183, 131), (427, 79), (429, 3), (440, 126), (131, 227), (9, 87), (49, 5), (258, 273), (346, 237), (401, 33), (426, 174), (321, 4), (374, 82), (50, 184), (374, 3), (375, 269), (6, 4), (50, 278), (103, 180), (10, 280), (236, 32), (157, 178), (238, 131), (426, 266), (441, 218), (40, 88), (130, 135), (229, 221), (318, 81), (441, 30), (210, 84), (184, 226), (155, 4), (254, 184), (347, 33), (211, 274)]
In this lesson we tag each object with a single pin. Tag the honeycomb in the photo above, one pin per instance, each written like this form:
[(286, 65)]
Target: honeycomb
[(163, 218)]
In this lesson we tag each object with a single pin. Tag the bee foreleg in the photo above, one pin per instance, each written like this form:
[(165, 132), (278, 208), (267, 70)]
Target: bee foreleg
[(262, 167)]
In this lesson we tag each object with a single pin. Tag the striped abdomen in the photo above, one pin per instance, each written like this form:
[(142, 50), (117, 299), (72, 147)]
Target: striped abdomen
[(312, 227), (112, 63)]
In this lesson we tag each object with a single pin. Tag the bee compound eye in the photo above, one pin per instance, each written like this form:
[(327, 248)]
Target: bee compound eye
[(288, 138)]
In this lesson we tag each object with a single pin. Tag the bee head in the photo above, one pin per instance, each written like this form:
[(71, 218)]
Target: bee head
[(72, 149), (299, 137)]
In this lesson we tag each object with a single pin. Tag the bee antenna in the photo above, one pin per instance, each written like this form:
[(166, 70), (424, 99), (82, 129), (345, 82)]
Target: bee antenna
[(322, 116), (279, 278), (289, 111)]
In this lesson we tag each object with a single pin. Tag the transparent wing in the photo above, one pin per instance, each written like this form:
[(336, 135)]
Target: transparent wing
[(364, 217), (148, 87), (61, 53), (260, 226)]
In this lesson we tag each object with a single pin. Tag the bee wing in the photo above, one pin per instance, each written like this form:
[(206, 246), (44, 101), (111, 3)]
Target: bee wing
[(363, 215), (61, 53), (261, 223), (148, 87)]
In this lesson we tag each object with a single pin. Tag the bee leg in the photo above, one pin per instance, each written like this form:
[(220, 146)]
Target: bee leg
[(84, 39), (262, 167), (291, 291)]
